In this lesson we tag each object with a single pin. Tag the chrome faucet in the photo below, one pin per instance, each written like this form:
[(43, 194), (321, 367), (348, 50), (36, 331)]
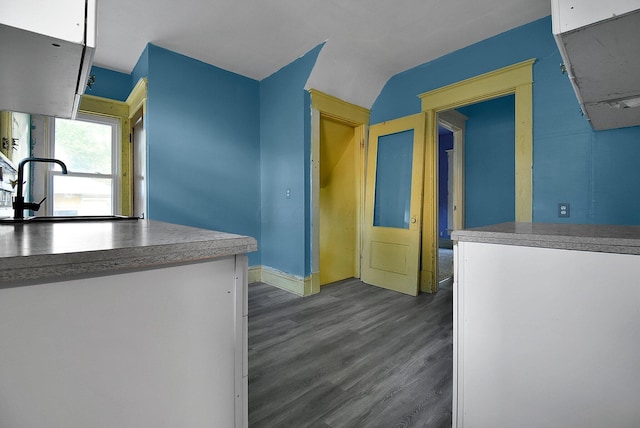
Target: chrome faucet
[(19, 205)]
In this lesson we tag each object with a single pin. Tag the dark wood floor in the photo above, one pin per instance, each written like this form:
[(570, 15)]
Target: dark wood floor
[(351, 356)]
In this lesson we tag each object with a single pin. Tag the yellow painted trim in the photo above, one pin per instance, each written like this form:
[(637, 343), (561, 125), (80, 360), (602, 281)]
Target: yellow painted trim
[(137, 99), (516, 79), (103, 106), (524, 153), (331, 107), (6, 131), (315, 282), (339, 109), (137, 103), (493, 84), (91, 104), (429, 245), (254, 274), (126, 111), (291, 283)]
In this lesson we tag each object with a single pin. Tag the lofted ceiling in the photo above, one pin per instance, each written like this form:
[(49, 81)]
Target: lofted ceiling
[(367, 41)]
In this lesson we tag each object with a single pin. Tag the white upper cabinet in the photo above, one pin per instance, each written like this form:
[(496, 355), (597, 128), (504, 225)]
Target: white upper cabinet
[(46, 51), (598, 41)]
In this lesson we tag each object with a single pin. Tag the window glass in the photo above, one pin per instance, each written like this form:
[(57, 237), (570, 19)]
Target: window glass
[(87, 146), (84, 146), (393, 180), (82, 195)]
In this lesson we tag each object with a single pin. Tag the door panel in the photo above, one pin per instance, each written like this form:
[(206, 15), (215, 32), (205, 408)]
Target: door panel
[(393, 204)]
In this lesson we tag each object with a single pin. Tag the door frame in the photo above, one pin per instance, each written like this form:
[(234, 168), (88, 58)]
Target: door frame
[(454, 121), (137, 102), (516, 79), (324, 105)]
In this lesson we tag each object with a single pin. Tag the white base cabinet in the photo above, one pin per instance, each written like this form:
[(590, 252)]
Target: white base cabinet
[(545, 338), (153, 348)]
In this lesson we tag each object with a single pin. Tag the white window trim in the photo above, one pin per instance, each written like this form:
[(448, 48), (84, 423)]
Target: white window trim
[(53, 170)]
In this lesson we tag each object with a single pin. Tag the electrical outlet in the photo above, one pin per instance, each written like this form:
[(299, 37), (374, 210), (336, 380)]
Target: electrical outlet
[(564, 210), (287, 193)]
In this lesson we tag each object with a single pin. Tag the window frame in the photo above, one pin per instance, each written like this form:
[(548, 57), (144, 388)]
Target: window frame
[(116, 160)]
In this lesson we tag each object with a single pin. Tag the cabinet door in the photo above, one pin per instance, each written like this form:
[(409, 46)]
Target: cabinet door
[(64, 21)]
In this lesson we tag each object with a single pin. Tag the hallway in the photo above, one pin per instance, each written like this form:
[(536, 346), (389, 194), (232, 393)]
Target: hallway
[(352, 356)]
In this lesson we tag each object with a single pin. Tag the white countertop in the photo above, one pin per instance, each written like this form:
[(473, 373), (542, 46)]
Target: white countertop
[(580, 237), (40, 252)]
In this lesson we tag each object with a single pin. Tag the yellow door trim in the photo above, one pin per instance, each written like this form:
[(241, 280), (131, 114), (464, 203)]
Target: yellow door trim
[(137, 102), (336, 108), (329, 106), (137, 99), (515, 79)]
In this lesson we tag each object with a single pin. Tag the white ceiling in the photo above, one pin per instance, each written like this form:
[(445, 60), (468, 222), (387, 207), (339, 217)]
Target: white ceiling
[(367, 41)]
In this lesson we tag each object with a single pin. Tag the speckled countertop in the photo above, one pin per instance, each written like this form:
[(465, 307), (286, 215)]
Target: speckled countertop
[(580, 237), (39, 252)]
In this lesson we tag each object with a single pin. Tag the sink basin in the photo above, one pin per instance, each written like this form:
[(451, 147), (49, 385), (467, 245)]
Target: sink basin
[(67, 219)]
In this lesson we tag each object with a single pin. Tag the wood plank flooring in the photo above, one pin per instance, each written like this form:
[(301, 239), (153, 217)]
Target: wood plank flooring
[(351, 356)]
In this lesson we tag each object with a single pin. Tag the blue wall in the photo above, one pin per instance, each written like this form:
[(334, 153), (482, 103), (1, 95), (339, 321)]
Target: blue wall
[(203, 136), (595, 171), (110, 84), (284, 157), (223, 148), (489, 173), (203, 146)]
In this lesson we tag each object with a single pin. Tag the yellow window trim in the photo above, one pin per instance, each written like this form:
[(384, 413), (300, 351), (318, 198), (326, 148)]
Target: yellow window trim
[(6, 132), (124, 111)]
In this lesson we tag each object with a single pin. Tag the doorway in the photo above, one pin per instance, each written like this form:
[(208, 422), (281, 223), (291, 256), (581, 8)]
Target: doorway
[(445, 207), (137, 150), (339, 157), (451, 197), (338, 133), (517, 80)]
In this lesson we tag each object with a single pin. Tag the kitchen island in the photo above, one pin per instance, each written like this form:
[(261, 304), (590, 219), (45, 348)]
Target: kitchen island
[(547, 326), (122, 323)]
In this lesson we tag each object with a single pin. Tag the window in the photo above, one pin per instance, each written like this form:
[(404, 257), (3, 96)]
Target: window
[(88, 146)]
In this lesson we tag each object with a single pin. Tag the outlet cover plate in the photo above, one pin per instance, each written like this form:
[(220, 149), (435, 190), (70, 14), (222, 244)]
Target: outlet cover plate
[(564, 210)]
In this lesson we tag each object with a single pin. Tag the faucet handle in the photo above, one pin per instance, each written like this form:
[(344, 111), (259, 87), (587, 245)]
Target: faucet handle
[(33, 206)]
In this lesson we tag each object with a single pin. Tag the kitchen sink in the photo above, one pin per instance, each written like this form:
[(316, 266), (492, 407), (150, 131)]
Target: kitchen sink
[(67, 219)]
